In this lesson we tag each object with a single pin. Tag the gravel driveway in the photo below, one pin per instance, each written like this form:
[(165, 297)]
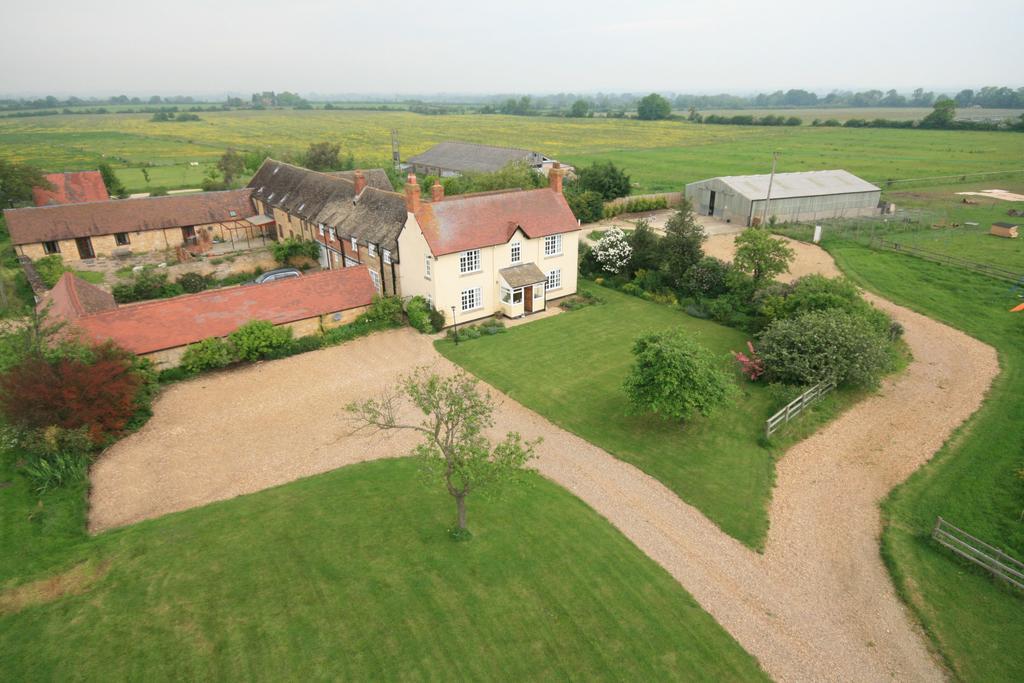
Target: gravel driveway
[(817, 605)]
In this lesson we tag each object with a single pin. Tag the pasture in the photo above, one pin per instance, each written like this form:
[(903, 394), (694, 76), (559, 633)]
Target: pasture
[(808, 114), (659, 155)]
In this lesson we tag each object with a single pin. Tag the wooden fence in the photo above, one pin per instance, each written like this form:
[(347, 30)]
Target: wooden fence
[(980, 553), (944, 259), (796, 406)]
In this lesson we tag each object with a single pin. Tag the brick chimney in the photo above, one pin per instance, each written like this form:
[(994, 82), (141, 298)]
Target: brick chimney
[(412, 194), (555, 174), (360, 181), (436, 191)]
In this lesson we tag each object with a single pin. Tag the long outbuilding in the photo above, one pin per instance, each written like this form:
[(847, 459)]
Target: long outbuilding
[(803, 196)]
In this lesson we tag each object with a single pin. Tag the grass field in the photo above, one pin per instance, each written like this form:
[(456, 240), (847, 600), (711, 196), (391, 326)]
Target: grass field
[(940, 224), (717, 464), (659, 155), (972, 482), (349, 576)]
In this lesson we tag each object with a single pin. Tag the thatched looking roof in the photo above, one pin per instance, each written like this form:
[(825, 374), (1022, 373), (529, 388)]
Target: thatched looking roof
[(375, 216)]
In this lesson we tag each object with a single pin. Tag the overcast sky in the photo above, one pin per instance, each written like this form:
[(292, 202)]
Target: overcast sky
[(455, 46)]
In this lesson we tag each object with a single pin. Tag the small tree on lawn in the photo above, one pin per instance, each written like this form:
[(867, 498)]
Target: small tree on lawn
[(682, 245), (613, 251), (673, 376), (454, 447), (761, 255)]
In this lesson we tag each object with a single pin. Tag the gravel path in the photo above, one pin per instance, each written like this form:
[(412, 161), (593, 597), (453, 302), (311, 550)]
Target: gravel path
[(817, 605)]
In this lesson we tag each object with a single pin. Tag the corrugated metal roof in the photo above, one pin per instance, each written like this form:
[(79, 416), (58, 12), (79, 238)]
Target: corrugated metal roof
[(803, 184)]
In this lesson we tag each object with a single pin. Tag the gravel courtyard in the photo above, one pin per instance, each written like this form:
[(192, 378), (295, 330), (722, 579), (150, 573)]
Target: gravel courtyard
[(816, 605)]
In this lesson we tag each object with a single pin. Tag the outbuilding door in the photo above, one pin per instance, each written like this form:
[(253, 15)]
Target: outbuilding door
[(84, 245), (711, 204)]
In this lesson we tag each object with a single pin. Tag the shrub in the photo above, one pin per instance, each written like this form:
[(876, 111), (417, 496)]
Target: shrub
[(258, 339), (98, 390), (305, 344), (385, 309), (706, 279), (752, 365), (50, 268), (207, 355), (824, 345), (58, 458), (635, 205), (613, 252), (436, 319), (292, 248), (147, 284), (586, 205), (762, 255), (818, 293), (419, 314), (193, 282), (675, 377)]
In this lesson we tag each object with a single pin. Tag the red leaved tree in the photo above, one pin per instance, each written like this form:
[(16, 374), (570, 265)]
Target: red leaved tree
[(97, 392), (752, 366)]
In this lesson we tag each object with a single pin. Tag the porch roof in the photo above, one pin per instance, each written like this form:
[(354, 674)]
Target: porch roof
[(522, 275)]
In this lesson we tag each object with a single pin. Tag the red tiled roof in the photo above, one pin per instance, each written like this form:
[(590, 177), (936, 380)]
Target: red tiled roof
[(470, 222), (166, 324), (71, 188), (72, 297), (68, 221)]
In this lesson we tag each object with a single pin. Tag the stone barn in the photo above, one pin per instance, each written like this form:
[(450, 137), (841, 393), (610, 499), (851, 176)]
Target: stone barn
[(804, 196)]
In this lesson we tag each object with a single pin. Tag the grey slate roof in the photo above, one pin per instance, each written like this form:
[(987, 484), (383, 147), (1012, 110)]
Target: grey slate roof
[(375, 177), (469, 157), (522, 275), (803, 184), (376, 216)]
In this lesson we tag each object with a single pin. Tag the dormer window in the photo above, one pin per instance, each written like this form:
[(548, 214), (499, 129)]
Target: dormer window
[(355, 245), (371, 249)]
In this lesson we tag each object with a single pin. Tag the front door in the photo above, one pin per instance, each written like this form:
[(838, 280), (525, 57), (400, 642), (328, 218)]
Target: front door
[(188, 234), (528, 299), (85, 248), (711, 204)]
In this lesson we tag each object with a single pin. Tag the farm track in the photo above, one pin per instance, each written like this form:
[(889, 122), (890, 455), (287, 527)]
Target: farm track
[(818, 604)]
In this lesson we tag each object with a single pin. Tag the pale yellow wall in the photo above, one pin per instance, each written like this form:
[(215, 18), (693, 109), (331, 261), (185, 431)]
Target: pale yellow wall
[(447, 282)]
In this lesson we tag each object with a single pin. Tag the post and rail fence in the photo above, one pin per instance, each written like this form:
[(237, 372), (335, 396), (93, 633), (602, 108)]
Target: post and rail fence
[(980, 553), (796, 406)]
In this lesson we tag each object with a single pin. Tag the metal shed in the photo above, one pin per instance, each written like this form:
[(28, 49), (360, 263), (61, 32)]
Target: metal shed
[(808, 195)]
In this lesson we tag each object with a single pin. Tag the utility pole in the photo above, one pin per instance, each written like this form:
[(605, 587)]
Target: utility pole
[(768, 199), (396, 155)]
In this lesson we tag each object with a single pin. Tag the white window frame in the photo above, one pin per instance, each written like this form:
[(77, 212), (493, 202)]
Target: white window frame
[(331, 230), (321, 226), (371, 249), (555, 274), (471, 299), (553, 245), (56, 247), (355, 245), (387, 256), (427, 266), (467, 259), (516, 252), (538, 291), (375, 276)]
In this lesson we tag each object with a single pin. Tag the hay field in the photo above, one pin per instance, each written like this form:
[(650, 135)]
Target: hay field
[(660, 155)]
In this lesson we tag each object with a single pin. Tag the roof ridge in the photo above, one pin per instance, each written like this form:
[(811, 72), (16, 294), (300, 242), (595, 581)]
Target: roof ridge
[(93, 204)]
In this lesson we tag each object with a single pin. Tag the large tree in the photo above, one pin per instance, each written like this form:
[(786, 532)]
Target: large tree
[(761, 255), (653, 107), (580, 108), (17, 181), (605, 178), (682, 245), (675, 377), (231, 165), (942, 115), (326, 156), (454, 447)]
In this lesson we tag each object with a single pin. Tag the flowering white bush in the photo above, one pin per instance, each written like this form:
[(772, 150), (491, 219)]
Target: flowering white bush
[(613, 252)]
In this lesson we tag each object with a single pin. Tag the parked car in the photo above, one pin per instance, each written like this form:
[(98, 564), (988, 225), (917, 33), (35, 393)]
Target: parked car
[(277, 274)]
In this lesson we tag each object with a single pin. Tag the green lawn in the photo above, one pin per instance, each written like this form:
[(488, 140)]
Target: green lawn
[(977, 624), (576, 366), (350, 576)]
